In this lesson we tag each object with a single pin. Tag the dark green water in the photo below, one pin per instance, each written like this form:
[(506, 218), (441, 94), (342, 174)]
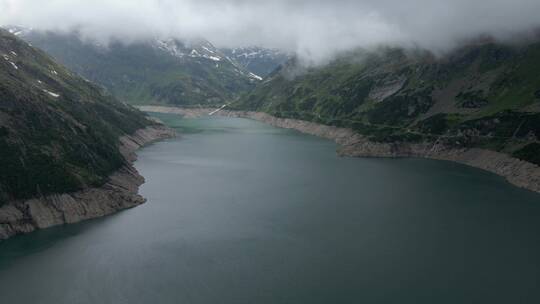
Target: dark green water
[(239, 212)]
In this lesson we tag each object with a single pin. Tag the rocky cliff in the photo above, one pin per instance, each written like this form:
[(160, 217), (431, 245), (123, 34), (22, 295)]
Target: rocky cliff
[(120, 192), (520, 173)]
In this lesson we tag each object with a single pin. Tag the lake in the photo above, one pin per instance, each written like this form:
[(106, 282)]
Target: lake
[(241, 212)]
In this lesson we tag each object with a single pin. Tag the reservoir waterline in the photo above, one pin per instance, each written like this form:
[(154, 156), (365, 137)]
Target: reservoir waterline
[(241, 212)]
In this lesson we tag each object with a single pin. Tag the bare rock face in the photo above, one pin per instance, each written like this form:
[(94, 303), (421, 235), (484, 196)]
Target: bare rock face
[(120, 192), (386, 89)]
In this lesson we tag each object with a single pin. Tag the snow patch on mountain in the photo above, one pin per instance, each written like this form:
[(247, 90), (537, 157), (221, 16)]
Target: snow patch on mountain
[(202, 49), (6, 58), (170, 46), (255, 76), (55, 95), (18, 31), (257, 60)]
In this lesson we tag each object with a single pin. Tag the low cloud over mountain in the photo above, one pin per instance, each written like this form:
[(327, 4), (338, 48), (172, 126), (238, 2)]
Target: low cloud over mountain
[(314, 29)]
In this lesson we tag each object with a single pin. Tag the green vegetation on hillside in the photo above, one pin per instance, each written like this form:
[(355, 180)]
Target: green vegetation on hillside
[(151, 72), (58, 132), (485, 95), (530, 153)]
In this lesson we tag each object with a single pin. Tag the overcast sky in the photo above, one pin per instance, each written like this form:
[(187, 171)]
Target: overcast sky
[(314, 29)]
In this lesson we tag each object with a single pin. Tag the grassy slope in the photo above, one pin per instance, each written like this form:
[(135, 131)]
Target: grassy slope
[(485, 95), (54, 144)]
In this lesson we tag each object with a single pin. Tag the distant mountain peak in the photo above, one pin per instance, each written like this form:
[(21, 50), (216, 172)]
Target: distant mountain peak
[(260, 62), (198, 49), (159, 70)]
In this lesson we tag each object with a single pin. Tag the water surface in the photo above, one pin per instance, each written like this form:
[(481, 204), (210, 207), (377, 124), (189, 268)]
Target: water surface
[(240, 212)]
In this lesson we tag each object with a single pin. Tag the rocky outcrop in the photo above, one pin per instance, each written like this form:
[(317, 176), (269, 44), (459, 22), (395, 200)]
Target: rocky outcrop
[(520, 173), (120, 192)]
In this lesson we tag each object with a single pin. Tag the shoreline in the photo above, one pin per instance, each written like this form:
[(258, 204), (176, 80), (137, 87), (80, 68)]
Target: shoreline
[(119, 193), (517, 172)]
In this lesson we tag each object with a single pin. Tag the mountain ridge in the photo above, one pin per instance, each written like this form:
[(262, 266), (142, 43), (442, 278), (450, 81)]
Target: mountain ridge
[(259, 61), (484, 96), (167, 71)]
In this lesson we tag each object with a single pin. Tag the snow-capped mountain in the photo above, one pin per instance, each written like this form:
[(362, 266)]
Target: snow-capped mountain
[(154, 71), (18, 30), (259, 61), (199, 49), (202, 49)]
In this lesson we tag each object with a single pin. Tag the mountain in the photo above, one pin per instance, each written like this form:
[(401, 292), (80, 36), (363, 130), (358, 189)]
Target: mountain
[(484, 95), (259, 61), (18, 30), (58, 132), (154, 71)]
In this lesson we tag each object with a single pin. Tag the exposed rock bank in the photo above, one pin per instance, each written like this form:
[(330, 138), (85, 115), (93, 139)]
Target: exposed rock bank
[(120, 192), (520, 173)]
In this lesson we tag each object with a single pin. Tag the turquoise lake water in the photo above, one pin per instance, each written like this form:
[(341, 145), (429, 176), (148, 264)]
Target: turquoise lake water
[(240, 212)]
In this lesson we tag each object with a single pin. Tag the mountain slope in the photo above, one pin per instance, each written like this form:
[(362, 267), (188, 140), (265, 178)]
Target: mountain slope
[(156, 71), (259, 61), (484, 95), (58, 132)]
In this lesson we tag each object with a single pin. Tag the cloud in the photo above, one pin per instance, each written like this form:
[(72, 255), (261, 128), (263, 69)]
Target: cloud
[(314, 29)]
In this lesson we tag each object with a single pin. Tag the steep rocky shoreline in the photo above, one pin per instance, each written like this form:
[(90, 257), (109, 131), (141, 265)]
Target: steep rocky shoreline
[(120, 192), (519, 173)]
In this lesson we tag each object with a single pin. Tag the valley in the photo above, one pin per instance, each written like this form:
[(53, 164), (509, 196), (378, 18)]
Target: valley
[(167, 71), (280, 152), (463, 107)]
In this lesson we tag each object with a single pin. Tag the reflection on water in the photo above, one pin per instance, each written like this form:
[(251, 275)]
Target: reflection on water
[(240, 212)]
